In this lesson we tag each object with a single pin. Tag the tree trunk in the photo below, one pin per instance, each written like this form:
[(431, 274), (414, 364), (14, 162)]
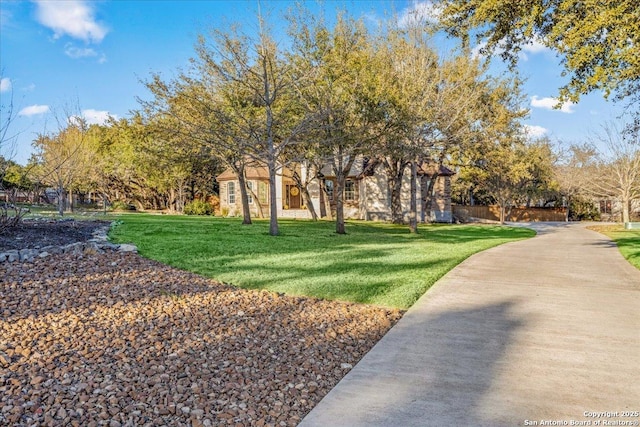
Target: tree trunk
[(306, 197), (325, 203), (273, 211), (625, 210), (428, 196), (395, 173), (341, 171), (339, 197), (413, 212), (309, 203), (256, 200), (244, 197), (423, 197), (61, 199), (172, 200), (181, 197), (70, 201), (502, 211), (323, 208)]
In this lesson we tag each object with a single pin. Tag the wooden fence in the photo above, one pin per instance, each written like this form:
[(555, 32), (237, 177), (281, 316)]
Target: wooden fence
[(492, 213)]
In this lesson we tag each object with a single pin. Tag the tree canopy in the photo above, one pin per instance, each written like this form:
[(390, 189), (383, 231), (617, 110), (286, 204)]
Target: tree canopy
[(331, 95), (598, 41)]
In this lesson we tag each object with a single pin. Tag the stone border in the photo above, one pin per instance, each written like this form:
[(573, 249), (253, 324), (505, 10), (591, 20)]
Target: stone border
[(99, 243)]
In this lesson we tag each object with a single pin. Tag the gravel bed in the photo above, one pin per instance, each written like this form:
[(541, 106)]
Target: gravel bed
[(118, 340)]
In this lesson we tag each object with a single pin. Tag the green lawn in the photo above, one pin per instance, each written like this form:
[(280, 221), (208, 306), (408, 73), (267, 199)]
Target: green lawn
[(628, 241), (51, 211), (375, 263)]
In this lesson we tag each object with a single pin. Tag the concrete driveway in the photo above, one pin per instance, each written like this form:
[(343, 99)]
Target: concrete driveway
[(542, 330)]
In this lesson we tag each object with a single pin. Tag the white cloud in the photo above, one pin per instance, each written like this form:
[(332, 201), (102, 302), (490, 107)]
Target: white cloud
[(551, 103), (34, 110), (74, 18), (535, 131), (420, 12), (78, 52), (29, 88), (476, 51), (497, 50), (5, 84), (96, 117), (534, 46)]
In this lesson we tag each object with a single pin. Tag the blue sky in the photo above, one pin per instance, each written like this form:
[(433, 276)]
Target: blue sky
[(89, 56)]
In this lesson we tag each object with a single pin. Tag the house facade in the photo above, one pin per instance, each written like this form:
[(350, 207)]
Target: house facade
[(611, 209), (366, 192)]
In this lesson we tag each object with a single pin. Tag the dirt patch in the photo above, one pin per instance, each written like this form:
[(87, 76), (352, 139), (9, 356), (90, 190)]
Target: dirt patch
[(35, 234), (606, 228), (119, 340)]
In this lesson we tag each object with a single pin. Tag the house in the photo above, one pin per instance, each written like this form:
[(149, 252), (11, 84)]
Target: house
[(366, 193), (611, 209)]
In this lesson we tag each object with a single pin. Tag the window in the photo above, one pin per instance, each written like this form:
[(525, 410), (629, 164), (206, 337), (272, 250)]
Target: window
[(263, 192), (231, 193), (328, 185), (349, 191), (250, 192), (605, 206)]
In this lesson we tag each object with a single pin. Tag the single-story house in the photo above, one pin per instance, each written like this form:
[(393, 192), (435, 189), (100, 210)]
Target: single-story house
[(611, 209), (366, 193)]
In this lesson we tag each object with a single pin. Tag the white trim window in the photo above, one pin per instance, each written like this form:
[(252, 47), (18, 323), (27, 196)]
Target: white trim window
[(349, 190), (328, 185), (231, 192)]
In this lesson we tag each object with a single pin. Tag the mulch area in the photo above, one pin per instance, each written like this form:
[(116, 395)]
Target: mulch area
[(119, 340), (35, 234)]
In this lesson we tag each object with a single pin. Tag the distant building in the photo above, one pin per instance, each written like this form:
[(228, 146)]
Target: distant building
[(366, 193), (611, 209)]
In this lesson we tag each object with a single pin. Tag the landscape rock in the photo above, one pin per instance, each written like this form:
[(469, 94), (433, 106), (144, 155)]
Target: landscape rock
[(111, 339), (126, 247), (34, 236)]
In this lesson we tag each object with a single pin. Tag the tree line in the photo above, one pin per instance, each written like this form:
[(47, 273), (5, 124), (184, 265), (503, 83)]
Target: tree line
[(326, 94)]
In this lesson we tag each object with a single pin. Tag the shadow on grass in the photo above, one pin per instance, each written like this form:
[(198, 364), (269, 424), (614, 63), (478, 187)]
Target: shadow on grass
[(372, 262)]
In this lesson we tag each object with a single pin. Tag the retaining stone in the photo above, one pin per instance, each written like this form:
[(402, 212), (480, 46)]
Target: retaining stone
[(98, 244)]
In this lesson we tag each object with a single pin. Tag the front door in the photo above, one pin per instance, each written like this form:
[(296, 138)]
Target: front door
[(293, 197)]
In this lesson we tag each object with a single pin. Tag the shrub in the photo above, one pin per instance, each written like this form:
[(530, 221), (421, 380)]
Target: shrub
[(214, 201), (583, 209), (119, 205), (198, 207)]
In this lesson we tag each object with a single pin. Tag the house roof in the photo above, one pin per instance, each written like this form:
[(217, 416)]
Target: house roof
[(257, 172), (429, 168)]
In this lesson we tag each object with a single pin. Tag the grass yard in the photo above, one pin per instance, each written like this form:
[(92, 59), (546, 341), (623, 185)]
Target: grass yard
[(628, 241), (51, 211), (375, 263)]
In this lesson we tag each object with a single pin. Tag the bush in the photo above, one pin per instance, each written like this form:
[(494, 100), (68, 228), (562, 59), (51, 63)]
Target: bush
[(198, 207), (119, 205), (583, 209)]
